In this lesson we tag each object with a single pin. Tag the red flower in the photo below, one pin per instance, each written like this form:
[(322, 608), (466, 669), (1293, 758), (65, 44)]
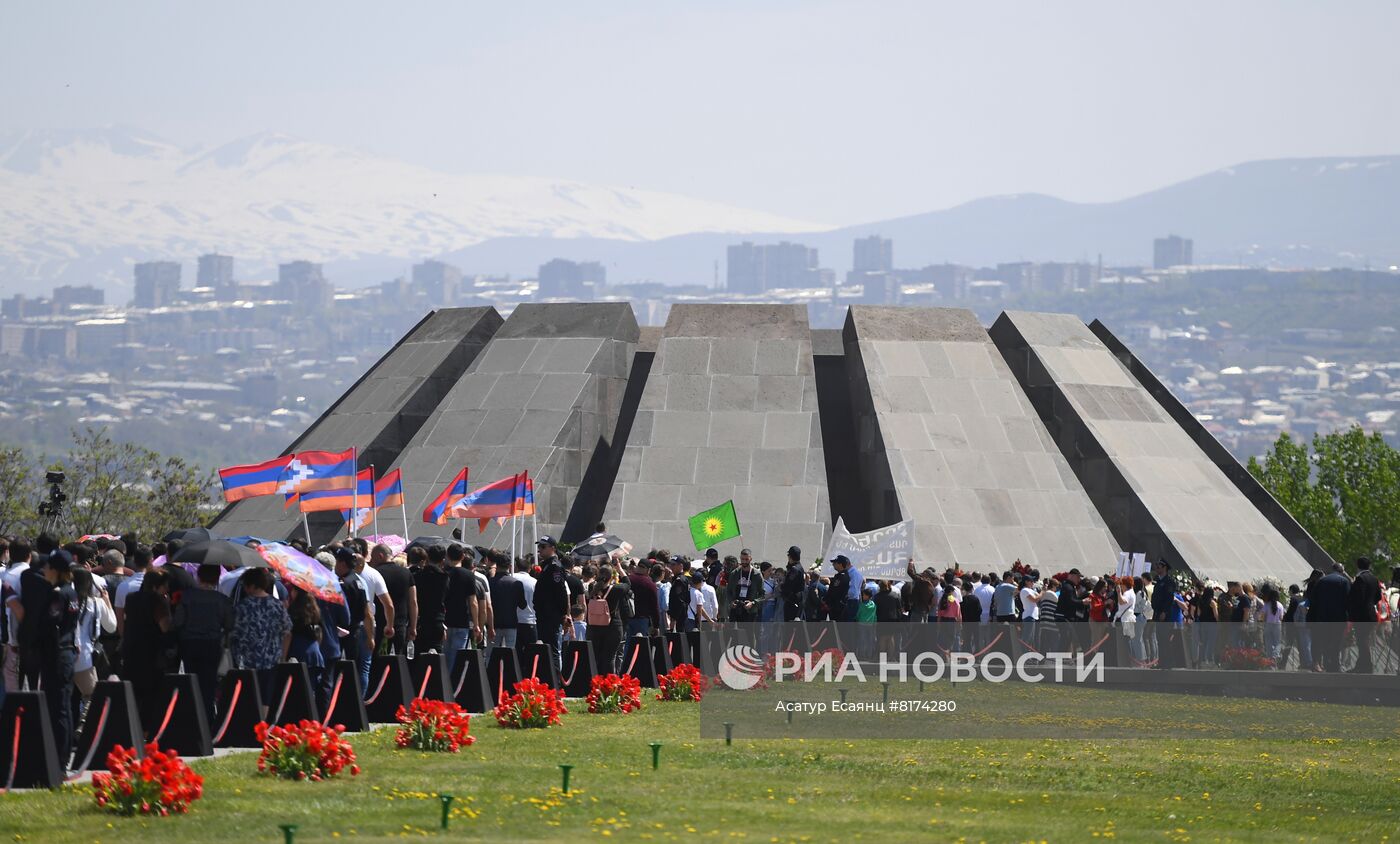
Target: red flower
[(532, 704), (159, 784), (614, 693), (307, 750), (433, 725), (684, 682)]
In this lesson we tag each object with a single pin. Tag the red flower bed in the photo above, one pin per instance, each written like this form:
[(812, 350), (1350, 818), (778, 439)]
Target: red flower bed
[(531, 704), (684, 682), (159, 784), (433, 725), (613, 693), (1244, 659), (304, 751)]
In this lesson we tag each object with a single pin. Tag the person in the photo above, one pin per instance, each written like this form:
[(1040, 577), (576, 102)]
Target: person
[(794, 582), (745, 590), (1327, 616), (1361, 612), (1051, 620), (578, 631), (430, 587), (921, 593), (551, 600), (525, 618), (358, 641), (646, 599), (854, 591), (1272, 615), (20, 554), (95, 618), (1206, 612), (678, 611), (308, 629), (1295, 630), (971, 610), (507, 602), (815, 597), (1004, 599), (1125, 616), (948, 614), (148, 622), (838, 588), (55, 609), (262, 630), (460, 605), (1030, 611), (703, 604), (605, 613), (398, 626), (1163, 609), (484, 622), (202, 621), (140, 564)]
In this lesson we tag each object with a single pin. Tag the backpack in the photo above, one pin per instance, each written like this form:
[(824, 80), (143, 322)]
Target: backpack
[(599, 614)]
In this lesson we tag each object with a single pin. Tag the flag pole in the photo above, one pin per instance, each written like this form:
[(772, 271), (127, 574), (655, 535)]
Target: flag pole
[(306, 525), (355, 490), (403, 507)]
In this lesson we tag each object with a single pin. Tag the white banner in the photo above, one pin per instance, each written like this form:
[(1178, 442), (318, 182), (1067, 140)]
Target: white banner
[(882, 554)]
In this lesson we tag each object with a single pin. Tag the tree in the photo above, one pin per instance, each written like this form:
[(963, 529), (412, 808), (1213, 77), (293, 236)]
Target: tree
[(117, 487), (1346, 493), (16, 491)]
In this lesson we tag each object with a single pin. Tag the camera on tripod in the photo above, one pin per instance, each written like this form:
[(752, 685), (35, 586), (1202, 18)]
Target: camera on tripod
[(52, 509)]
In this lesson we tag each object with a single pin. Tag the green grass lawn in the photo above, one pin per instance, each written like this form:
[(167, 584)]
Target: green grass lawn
[(1016, 788)]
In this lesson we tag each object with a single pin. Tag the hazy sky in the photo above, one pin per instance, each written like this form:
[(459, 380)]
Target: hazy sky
[(837, 112)]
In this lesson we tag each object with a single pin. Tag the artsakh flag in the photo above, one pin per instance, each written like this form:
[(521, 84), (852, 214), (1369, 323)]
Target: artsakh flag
[(388, 492), (309, 471)]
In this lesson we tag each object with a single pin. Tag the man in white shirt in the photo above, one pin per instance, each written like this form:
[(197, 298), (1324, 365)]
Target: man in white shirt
[(19, 564), (984, 592), (525, 633)]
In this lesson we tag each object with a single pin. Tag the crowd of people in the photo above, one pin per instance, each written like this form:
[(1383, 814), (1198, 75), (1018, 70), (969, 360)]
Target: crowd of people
[(83, 611)]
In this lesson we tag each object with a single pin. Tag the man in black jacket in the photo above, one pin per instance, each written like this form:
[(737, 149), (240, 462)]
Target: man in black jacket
[(794, 582), (507, 596), (1169, 651), (837, 587), (551, 599), (1365, 593), (1327, 615)]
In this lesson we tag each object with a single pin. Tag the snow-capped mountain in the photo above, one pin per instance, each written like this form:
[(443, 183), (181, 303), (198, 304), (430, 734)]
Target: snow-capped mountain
[(80, 205)]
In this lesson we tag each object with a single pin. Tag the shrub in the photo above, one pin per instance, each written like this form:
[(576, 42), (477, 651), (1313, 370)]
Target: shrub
[(160, 784), (433, 725), (532, 704), (304, 751)]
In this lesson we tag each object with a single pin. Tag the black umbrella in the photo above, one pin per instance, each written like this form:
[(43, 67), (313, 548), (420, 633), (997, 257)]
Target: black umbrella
[(601, 546), (429, 541), (220, 553), (187, 535)]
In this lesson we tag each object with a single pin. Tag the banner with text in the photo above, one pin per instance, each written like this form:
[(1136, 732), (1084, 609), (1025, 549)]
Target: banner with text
[(883, 553)]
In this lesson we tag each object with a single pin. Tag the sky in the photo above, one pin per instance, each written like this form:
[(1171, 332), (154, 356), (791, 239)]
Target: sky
[(835, 112)]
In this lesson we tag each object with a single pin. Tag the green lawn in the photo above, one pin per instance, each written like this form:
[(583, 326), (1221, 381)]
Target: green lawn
[(1016, 788)]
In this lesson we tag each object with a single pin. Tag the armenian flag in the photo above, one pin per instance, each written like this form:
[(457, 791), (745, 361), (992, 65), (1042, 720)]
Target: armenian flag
[(242, 482), (388, 492), (310, 471), (339, 499), (524, 504), (436, 514)]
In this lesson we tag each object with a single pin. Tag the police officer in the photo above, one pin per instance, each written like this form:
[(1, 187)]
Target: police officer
[(551, 599), (56, 641)]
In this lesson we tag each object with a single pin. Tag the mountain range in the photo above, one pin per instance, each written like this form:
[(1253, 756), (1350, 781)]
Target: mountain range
[(80, 206)]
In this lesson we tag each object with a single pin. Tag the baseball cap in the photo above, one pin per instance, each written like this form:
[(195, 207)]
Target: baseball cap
[(544, 540), (710, 552), (842, 559), (696, 577), (344, 554)]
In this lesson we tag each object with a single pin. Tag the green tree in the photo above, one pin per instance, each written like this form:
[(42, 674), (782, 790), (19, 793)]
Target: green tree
[(17, 491), (1346, 492)]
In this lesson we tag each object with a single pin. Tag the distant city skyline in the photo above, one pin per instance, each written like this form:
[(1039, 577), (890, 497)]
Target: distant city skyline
[(838, 113)]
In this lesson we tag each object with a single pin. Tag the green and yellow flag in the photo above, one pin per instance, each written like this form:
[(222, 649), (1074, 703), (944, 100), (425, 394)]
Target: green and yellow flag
[(714, 526)]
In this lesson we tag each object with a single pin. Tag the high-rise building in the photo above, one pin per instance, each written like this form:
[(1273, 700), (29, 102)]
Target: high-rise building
[(215, 271), (439, 283), (753, 269), (157, 284), (303, 283), (873, 254), (1171, 251), (563, 279), (85, 294)]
